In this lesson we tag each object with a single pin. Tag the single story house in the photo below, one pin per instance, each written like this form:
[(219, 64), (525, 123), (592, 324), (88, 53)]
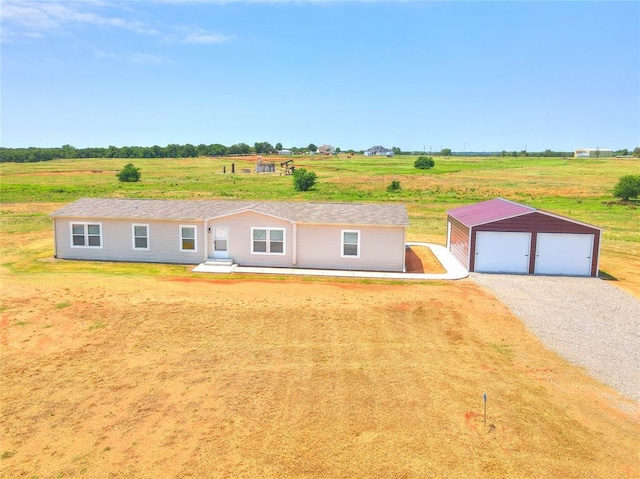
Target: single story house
[(378, 151), (344, 236), (593, 153), (326, 150), (500, 236)]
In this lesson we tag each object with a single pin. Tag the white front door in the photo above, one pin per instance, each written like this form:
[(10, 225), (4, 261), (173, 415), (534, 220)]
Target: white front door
[(220, 236)]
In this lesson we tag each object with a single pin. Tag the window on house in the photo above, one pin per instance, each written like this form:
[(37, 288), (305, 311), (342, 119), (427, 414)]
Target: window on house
[(86, 235), (140, 236), (350, 244), (267, 240), (188, 238), (276, 241), (259, 241)]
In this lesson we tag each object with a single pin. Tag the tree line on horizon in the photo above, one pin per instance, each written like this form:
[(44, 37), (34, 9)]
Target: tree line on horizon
[(35, 154)]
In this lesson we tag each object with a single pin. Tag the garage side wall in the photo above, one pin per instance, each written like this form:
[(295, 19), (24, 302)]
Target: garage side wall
[(535, 223), (458, 241)]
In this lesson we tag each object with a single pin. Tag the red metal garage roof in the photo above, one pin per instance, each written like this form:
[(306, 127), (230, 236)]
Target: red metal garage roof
[(488, 211)]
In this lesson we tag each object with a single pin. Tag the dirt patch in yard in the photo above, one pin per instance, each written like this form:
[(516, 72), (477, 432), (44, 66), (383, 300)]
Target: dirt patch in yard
[(420, 259), (622, 270), (121, 376)]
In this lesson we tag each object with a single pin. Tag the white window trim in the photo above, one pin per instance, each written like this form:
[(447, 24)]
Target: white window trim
[(354, 256), (133, 237), (268, 229), (195, 238), (85, 224)]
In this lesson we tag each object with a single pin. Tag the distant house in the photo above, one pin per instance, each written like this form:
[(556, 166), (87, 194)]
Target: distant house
[(342, 236), (378, 151), (284, 152), (593, 153), (326, 150)]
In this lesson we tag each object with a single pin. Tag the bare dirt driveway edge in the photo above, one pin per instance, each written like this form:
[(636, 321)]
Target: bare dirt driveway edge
[(586, 320)]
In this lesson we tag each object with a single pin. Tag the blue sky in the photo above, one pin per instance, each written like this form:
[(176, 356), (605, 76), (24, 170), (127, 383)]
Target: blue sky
[(470, 76)]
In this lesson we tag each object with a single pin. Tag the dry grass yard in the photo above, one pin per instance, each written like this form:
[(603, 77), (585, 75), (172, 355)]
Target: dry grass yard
[(116, 370), (117, 376)]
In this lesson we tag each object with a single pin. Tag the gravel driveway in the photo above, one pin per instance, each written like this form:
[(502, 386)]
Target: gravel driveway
[(586, 320)]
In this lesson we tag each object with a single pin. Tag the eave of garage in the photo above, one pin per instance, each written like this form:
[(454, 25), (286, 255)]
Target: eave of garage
[(488, 212), (499, 209)]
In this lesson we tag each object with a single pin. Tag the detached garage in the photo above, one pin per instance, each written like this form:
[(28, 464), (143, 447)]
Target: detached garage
[(500, 236)]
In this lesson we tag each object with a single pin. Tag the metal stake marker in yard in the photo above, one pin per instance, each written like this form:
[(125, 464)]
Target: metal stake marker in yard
[(485, 409)]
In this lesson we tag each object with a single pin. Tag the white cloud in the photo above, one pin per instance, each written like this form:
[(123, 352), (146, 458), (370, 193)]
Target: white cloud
[(28, 16), (136, 58), (203, 37), (224, 2), (38, 18)]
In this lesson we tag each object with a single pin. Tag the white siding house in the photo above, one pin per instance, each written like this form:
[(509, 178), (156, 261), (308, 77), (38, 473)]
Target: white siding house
[(306, 235), (378, 151)]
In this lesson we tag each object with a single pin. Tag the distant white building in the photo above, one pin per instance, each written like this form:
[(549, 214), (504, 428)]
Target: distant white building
[(593, 153), (378, 151), (284, 152)]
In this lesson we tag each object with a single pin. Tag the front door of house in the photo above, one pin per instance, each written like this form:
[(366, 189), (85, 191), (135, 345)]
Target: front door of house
[(220, 242)]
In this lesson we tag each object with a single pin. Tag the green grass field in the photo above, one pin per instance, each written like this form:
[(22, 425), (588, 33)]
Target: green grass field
[(578, 188), (149, 370)]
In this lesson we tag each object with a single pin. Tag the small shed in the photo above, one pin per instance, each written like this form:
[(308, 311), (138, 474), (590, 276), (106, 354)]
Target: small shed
[(593, 153), (500, 236)]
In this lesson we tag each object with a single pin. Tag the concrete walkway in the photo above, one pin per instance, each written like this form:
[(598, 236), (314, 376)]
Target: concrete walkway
[(454, 269)]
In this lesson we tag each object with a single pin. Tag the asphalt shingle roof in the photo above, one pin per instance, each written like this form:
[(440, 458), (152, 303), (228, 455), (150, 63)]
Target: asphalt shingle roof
[(195, 210)]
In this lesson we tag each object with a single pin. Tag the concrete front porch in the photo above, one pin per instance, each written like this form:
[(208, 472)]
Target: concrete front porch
[(215, 266), (454, 269)]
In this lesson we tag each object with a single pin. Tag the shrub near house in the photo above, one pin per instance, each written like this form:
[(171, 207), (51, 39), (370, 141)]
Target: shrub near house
[(394, 186), (129, 173), (303, 180), (424, 162), (628, 186)]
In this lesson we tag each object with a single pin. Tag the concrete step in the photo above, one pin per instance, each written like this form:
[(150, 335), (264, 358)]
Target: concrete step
[(219, 262), (209, 266)]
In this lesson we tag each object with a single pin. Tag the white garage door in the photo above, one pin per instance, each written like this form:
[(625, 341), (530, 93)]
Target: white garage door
[(498, 252), (564, 253)]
